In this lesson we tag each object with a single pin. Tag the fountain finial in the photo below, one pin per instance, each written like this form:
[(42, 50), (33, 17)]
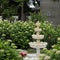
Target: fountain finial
[(37, 23)]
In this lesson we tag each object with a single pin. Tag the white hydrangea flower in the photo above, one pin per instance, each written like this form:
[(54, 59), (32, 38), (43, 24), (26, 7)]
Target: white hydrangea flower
[(58, 38), (1, 50), (53, 46), (42, 55), (47, 58), (45, 49), (58, 52), (54, 50), (9, 40)]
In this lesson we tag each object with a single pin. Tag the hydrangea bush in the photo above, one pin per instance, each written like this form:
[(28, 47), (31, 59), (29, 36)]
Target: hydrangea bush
[(54, 53), (21, 32), (8, 51)]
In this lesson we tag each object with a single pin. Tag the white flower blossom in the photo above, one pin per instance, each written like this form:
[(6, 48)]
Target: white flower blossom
[(53, 46), (9, 40), (54, 50), (58, 52), (47, 58), (58, 38)]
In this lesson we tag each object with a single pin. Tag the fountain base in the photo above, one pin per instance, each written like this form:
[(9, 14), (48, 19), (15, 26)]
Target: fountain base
[(33, 57)]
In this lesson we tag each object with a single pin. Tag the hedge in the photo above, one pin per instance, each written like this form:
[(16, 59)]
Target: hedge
[(20, 32)]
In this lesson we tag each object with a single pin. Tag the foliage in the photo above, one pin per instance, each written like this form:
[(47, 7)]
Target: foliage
[(8, 51), (49, 32), (58, 30), (20, 2), (54, 53), (4, 31), (57, 46), (21, 33), (10, 7), (37, 16), (7, 13), (7, 8)]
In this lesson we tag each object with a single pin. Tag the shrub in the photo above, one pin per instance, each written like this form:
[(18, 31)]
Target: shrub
[(21, 32), (4, 30), (58, 30), (8, 51), (54, 53), (37, 16), (49, 32)]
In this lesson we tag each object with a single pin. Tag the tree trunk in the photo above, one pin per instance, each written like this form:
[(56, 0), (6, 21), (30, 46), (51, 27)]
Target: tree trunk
[(22, 12)]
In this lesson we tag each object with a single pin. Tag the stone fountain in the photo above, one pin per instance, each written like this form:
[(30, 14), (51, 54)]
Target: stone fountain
[(37, 44)]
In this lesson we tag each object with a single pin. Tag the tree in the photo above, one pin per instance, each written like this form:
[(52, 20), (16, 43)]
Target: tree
[(7, 9), (10, 7), (21, 3)]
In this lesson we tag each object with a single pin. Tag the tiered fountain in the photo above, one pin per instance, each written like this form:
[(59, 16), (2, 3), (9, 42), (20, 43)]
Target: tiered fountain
[(37, 37), (38, 44)]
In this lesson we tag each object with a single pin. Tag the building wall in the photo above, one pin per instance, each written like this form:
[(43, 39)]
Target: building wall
[(52, 10)]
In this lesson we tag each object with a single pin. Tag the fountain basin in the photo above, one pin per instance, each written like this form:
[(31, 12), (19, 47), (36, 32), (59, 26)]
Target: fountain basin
[(38, 30), (37, 36), (38, 45)]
